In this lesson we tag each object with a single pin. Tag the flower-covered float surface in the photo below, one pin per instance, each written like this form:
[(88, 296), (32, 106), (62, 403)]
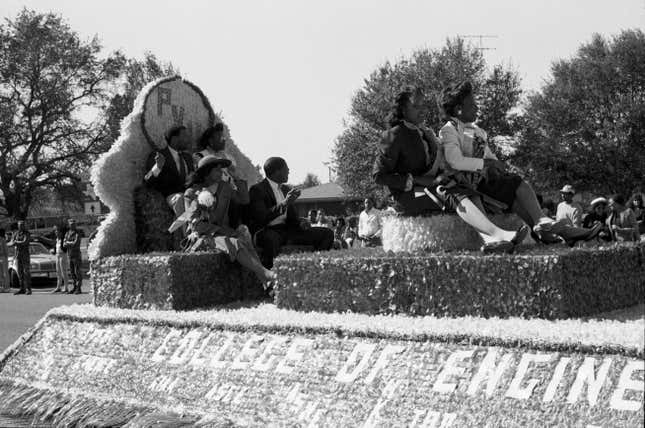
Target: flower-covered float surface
[(117, 173), (269, 367), (536, 281)]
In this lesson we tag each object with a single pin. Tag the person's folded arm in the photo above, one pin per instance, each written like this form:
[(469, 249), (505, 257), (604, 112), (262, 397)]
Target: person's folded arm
[(386, 160), (453, 154)]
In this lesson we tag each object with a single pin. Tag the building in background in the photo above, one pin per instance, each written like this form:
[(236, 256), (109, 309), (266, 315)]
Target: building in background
[(329, 197)]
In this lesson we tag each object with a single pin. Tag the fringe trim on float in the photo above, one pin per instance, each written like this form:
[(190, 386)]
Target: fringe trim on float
[(51, 408)]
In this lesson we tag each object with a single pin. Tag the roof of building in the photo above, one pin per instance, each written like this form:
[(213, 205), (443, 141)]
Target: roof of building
[(326, 192)]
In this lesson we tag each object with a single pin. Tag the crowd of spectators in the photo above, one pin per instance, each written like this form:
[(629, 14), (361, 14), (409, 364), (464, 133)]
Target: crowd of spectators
[(621, 219)]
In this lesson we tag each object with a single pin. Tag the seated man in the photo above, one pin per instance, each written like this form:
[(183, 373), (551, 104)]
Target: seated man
[(369, 224), (168, 168), (273, 218)]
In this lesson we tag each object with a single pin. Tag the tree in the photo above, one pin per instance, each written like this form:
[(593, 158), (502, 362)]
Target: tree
[(137, 74), (311, 180), (429, 70), (586, 126), (50, 82)]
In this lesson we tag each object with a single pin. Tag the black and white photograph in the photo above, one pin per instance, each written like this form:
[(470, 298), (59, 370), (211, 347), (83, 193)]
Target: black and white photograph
[(341, 213)]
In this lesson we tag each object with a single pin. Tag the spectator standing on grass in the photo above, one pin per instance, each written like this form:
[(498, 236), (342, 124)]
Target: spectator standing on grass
[(62, 261), (569, 211), (20, 241), (621, 220), (72, 245), (4, 263), (369, 224)]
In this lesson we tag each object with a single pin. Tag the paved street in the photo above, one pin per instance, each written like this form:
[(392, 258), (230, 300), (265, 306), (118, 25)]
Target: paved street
[(19, 313)]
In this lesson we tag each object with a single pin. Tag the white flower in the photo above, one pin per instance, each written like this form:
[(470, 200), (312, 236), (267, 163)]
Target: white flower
[(206, 198)]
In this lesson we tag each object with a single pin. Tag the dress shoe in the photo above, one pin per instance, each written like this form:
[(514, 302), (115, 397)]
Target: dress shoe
[(21, 291), (498, 247), (520, 235)]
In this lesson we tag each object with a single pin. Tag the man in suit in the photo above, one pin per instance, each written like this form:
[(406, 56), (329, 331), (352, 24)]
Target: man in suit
[(273, 218), (21, 241), (72, 245), (168, 168)]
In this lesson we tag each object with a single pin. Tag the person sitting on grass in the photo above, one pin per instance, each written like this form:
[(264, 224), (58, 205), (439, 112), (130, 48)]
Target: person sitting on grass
[(569, 211), (350, 235), (470, 161), (598, 215), (621, 220), (410, 163), (209, 228), (636, 205)]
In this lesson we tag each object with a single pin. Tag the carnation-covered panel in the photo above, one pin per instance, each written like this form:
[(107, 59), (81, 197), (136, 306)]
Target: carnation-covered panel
[(175, 102), (273, 377)]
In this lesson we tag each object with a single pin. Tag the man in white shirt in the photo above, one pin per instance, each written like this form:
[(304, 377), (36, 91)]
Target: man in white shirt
[(569, 211), (369, 224), (273, 218)]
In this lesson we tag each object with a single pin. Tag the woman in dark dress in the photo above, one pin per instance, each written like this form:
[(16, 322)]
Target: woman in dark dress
[(210, 197)]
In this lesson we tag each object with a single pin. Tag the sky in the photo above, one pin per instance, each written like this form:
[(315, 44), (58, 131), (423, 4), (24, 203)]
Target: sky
[(283, 72)]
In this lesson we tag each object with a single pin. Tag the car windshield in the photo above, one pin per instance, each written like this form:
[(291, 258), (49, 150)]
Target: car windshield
[(35, 248)]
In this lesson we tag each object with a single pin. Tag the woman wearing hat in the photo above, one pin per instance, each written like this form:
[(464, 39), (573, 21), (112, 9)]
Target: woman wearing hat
[(598, 215), (470, 160), (210, 198)]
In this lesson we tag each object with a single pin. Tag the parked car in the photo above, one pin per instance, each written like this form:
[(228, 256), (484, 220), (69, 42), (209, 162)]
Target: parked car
[(42, 264)]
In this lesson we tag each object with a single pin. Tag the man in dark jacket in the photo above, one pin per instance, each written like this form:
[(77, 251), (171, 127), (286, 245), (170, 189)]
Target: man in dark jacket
[(168, 168), (273, 218), (72, 245), (21, 241)]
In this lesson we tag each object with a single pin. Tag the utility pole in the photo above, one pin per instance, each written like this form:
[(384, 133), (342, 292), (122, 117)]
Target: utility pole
[(330, 169), (481, 38)]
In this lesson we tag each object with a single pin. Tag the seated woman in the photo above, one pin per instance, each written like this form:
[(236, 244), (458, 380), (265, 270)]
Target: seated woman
[(621, 220), (409, 163), (210, 197), (470, 161), (598, 215)]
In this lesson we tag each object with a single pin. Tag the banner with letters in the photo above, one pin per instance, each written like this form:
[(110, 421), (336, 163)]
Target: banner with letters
[(277, 377)]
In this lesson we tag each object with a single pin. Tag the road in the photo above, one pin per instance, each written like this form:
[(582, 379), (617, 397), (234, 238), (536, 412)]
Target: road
[(20, 313)]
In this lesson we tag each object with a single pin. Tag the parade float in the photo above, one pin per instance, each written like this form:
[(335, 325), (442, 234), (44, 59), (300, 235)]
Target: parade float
[(424, 332)]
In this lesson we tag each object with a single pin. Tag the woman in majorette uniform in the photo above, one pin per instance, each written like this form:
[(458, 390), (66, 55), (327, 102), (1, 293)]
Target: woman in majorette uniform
[(410, 163), (470, 161)]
